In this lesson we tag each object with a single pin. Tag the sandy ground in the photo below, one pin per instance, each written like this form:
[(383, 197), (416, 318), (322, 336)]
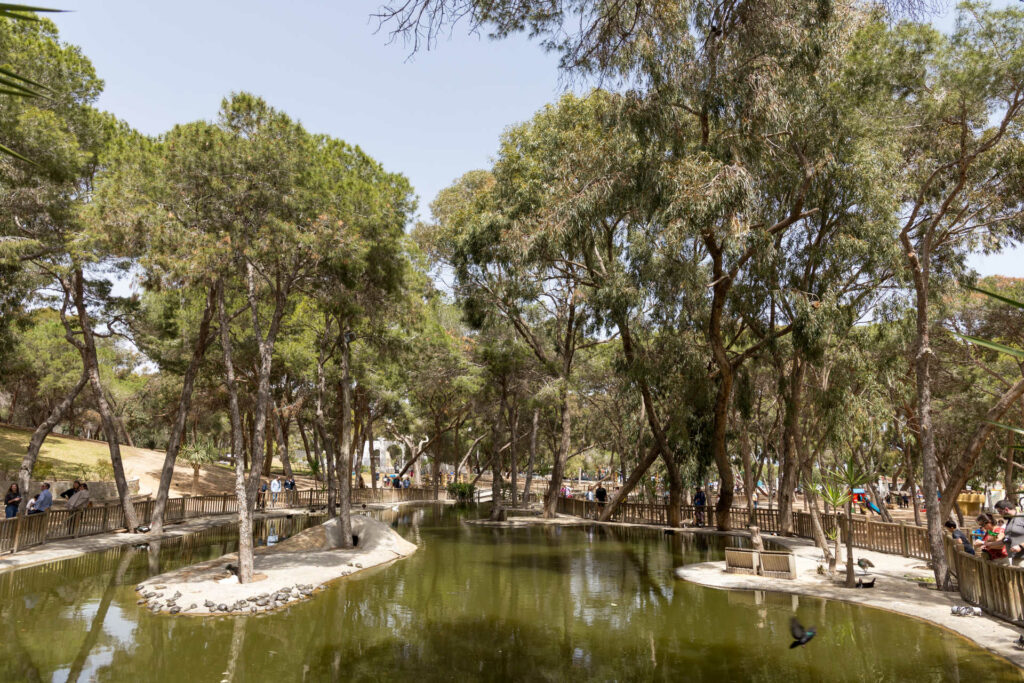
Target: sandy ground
[(287, 572), (145, 465)]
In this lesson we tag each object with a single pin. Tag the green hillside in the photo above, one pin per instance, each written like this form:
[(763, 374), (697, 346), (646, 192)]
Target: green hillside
[(61, 457)]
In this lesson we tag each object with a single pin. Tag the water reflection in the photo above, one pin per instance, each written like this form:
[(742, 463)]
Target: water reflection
[(473, 603)]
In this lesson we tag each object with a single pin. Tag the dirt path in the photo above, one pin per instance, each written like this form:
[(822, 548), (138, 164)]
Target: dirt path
[(145, 465)]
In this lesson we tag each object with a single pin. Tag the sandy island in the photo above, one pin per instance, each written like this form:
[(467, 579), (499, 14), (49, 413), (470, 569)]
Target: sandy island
[(287, 572)]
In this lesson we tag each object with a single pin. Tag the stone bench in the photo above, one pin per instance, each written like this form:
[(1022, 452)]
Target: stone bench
[(776, 564)]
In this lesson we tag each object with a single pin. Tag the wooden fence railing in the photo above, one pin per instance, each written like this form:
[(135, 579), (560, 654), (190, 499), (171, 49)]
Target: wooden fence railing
[(20, 533), (899, 539), (997, 589)]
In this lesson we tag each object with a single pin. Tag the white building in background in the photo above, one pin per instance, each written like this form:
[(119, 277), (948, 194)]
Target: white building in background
[(383, 447)]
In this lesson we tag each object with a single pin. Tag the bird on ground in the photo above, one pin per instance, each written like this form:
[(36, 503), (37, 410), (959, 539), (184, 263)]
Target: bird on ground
[(1019, 643), (865, 564), (801, 635)]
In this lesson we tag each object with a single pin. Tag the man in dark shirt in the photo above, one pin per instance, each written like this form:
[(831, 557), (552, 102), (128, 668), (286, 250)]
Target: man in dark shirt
[(72, 491), (601, 494), (959, 536), (700, 502)]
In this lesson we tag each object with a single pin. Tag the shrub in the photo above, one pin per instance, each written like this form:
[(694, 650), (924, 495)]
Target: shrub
[(462, 492)]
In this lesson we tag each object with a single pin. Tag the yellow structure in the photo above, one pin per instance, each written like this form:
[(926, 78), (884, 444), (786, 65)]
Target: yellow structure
[(971, 503)]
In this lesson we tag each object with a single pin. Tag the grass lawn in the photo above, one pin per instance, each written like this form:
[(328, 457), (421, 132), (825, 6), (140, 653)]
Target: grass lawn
[(61, 457)]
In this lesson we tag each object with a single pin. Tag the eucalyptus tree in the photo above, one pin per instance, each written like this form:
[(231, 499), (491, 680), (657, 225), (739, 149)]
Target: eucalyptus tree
[(957, 108), (485, 233)]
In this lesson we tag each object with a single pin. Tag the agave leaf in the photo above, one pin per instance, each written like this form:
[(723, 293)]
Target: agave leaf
[(13, 11), (995, 346), (11, 74), (10, 152), (1004, 299), (1015, 430), (17, 93)]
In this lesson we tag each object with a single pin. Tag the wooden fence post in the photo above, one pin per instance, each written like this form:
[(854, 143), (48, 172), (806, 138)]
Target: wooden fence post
[(17, 532)]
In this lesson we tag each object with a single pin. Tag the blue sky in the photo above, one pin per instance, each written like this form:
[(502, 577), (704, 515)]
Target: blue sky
[(432, 116)]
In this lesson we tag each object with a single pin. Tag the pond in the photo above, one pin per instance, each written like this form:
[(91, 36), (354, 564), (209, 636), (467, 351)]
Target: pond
[(541, 603)]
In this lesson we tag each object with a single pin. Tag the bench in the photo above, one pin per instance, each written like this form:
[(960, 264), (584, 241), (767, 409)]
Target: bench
[(778, 564), (742, 561), (775, 564)]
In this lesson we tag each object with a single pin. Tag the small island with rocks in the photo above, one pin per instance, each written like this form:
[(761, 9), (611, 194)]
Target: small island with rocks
[(286, 573)]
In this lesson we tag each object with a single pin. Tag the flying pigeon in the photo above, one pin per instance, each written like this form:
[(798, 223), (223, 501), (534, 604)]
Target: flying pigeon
[(801, 636)]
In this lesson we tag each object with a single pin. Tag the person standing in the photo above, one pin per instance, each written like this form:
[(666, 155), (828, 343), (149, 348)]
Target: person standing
[(1013, 530), (700, 503), (12, 500), (43, 501), (601, 494), (275, 488)]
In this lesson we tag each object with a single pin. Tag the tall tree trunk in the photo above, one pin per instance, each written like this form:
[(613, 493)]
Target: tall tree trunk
[(28, 462), (245, 562), (851, 579), (748, 473), (660, 440), (564, 444), (374, 455), (345, 477), (87, 349), (319, 421), (268, 445), (265, 345), (528, 486), (514, 455), (630, 483), (283, 427), (1008, 474), (184, 404), (913, 494), (305, 443), (919, 263), (790, 457), (720, 288), (816, 529), (497, 509)]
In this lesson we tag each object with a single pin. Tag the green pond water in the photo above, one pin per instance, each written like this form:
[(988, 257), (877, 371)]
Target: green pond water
[(474, 603)]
